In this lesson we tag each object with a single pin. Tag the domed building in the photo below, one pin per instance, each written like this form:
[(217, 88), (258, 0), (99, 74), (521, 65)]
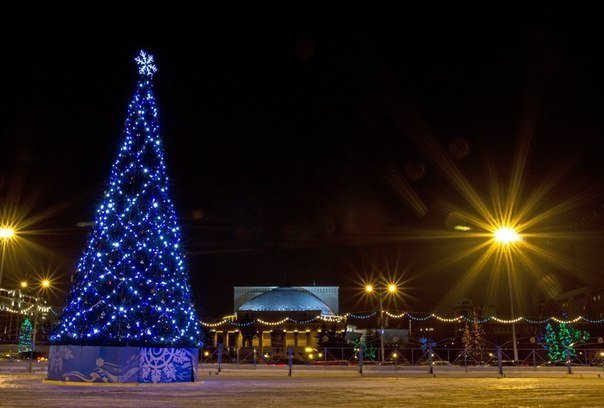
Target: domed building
[(275, 318), (287, 299)]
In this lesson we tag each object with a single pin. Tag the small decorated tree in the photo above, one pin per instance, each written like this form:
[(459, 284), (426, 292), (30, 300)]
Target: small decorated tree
[(466, 336), (472, 338), (25, 336), (369, 351), (560, 341)]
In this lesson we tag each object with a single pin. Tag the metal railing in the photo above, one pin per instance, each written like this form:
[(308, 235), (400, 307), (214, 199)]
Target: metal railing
[(586, 355)]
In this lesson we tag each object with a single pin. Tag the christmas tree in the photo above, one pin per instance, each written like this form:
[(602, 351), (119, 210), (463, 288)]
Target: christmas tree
[(25, 338), (559, 342), (131, 285), (466, 337), (472, 337)]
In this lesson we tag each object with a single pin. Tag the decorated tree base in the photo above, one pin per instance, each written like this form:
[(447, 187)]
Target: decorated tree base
[(100, 364)]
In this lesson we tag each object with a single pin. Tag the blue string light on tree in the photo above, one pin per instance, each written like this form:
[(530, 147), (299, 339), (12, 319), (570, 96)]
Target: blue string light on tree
[(131, 286)]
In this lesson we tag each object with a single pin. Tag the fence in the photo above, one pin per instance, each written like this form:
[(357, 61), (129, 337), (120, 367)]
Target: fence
[(587, 355)]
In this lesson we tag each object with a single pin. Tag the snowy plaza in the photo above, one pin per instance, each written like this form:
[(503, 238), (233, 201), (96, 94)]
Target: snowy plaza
[(403, 218), (322, 387)]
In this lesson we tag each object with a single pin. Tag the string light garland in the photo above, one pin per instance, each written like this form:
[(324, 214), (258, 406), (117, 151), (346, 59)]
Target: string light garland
[(592, 320), (456, 319), (27, 310), (241, 324), (327, 318), (395, 316), (355, 316), (215, 324), (131, 286), (314, 319), (448, 320), (420, 319), (277, 323), (506, 321), (575, 320)]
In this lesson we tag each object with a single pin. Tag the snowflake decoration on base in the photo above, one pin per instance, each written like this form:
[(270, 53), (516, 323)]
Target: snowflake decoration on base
[(146, 66)]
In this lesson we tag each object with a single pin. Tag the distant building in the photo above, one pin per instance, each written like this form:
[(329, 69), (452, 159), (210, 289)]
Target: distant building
[(583, 301), (274, 318), (326, 294)]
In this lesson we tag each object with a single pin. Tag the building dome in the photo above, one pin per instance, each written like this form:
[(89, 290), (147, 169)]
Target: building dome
[(286, 299)]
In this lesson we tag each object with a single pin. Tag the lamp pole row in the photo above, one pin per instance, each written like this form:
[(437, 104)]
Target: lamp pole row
[(391, 288)]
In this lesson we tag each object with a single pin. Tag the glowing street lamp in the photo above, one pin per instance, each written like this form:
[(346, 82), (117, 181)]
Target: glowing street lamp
[(390, 289), (504, 237), (44, 284), (6, 234)]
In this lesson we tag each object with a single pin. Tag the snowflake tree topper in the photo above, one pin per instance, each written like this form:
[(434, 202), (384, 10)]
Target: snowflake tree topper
[(146, 66)]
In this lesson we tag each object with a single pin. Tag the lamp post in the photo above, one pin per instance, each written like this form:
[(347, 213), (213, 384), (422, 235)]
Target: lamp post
[(6, 234), (390, 289), (44, 284), (23, 285), (506, 236)]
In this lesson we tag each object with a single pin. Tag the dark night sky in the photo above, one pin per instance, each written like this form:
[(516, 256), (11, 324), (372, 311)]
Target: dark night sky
[(279, 124)]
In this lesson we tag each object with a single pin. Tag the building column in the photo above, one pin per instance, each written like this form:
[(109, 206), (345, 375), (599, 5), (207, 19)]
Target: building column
[(261, 341)]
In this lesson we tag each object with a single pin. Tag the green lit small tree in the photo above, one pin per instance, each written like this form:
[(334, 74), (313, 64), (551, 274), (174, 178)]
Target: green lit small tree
[(25, 336), (369, 351), (560, 341)]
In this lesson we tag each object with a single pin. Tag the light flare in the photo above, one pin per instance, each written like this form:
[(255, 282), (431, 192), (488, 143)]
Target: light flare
[(506, 235)]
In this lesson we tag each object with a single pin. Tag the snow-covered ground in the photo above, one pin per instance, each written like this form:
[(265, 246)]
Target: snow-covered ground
[(333, 387)]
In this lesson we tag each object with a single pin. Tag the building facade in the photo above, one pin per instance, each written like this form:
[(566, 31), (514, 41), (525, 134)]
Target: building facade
[(269, 320)]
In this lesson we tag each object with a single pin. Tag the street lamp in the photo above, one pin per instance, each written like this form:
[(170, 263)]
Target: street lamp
[(44, 284), (506, 236), (390, 289), (6, 234)]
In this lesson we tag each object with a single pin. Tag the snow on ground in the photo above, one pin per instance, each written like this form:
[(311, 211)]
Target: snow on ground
[(321, 388)]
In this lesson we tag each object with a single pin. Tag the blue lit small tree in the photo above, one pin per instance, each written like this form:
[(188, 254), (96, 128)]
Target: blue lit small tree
[(131, 286)]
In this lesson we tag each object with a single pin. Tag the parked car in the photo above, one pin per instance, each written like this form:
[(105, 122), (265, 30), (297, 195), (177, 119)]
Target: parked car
[(37, 355), (9, 355)]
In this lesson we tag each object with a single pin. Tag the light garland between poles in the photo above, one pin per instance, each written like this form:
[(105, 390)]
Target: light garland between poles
[(457, 319)]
